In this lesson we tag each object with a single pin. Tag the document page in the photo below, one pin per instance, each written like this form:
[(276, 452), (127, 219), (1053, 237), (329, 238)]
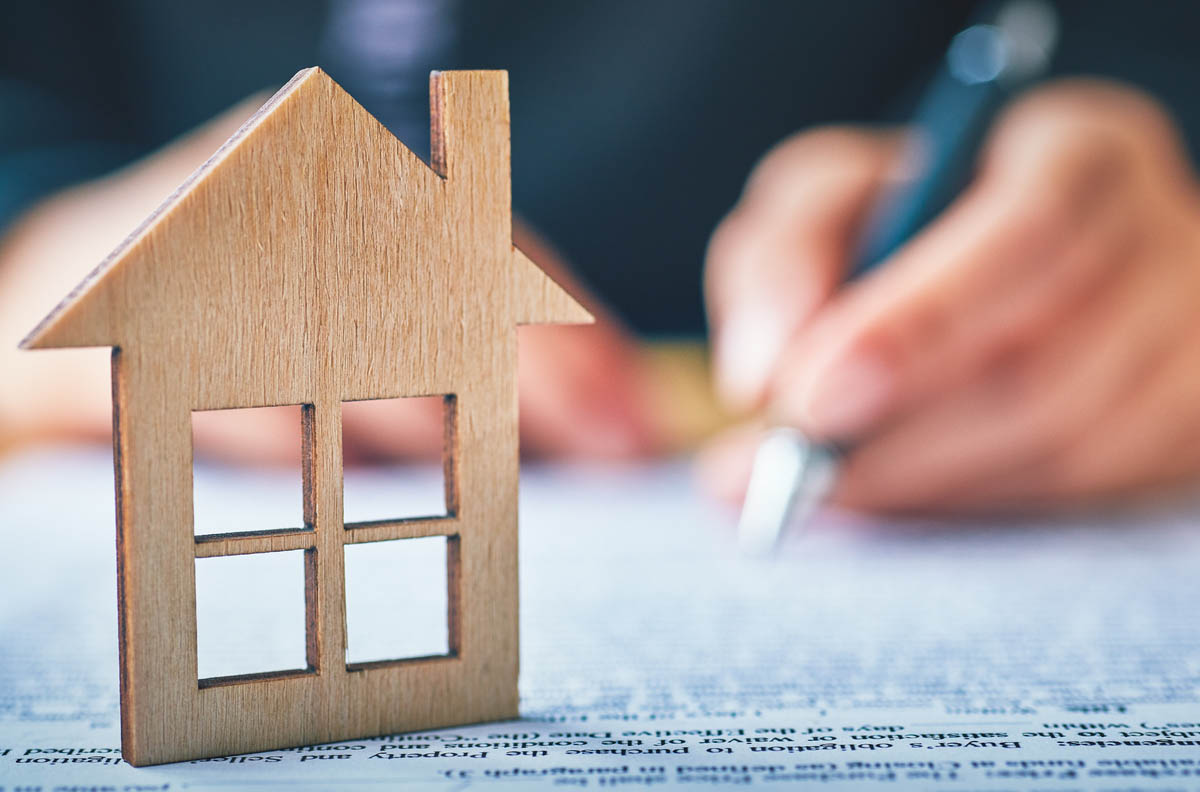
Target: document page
[(1057, 654)]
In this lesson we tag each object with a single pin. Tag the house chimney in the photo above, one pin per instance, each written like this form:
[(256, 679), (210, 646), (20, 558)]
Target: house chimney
[(470, 135)]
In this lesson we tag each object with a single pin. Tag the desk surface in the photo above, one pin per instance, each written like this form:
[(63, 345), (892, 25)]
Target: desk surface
[(1058, 655)]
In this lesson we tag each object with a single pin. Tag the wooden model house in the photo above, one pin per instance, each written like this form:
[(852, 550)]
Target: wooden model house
[(315, 260)]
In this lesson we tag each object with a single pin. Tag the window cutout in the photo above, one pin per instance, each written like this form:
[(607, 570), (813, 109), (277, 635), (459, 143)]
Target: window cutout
[(250, 614), (270, 439), (398, 599), (377, 430)]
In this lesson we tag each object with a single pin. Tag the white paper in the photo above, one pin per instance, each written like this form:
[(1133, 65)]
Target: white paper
[(1058, 655)]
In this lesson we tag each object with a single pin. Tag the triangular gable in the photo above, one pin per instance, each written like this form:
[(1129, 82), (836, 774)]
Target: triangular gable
[(89, 317), (549, 303)]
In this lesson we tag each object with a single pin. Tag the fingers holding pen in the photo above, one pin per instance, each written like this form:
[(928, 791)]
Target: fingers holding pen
[(961, 447), (783, 249), (1028, 354), (968, 446), (1043, 224), (915, 332), (1035, 345)]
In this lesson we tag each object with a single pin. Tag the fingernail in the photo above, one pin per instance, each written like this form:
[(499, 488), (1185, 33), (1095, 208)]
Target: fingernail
[(848, 397), (748, 349)]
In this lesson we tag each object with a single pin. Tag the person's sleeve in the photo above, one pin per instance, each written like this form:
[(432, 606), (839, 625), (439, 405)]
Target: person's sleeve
[(57, 121)]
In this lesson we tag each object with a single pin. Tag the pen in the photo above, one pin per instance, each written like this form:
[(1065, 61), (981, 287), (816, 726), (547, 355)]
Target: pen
[(986, 64)]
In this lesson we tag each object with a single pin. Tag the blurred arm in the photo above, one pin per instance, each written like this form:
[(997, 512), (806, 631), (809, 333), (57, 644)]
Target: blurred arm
[(45, 252)]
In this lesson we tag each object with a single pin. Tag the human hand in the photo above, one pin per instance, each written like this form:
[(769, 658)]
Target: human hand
[(583, 390), (1038, 344)]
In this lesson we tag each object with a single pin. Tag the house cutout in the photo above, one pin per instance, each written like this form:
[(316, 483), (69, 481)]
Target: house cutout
[(315, 260)]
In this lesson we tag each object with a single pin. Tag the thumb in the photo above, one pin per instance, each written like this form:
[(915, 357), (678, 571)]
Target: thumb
[(782, 250)]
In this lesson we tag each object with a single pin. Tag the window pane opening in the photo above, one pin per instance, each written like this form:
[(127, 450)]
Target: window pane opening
[(259, 445), (398, 599), (398, 459), (251, 615)]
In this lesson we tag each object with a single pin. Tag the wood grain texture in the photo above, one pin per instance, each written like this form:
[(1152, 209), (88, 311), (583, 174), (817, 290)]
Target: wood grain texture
[(314, 260)]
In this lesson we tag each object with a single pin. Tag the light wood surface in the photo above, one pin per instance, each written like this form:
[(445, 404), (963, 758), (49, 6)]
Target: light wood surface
[(314, 260)]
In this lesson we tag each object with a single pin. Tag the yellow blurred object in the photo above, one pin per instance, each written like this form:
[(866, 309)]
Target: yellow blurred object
[(685, 405)]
